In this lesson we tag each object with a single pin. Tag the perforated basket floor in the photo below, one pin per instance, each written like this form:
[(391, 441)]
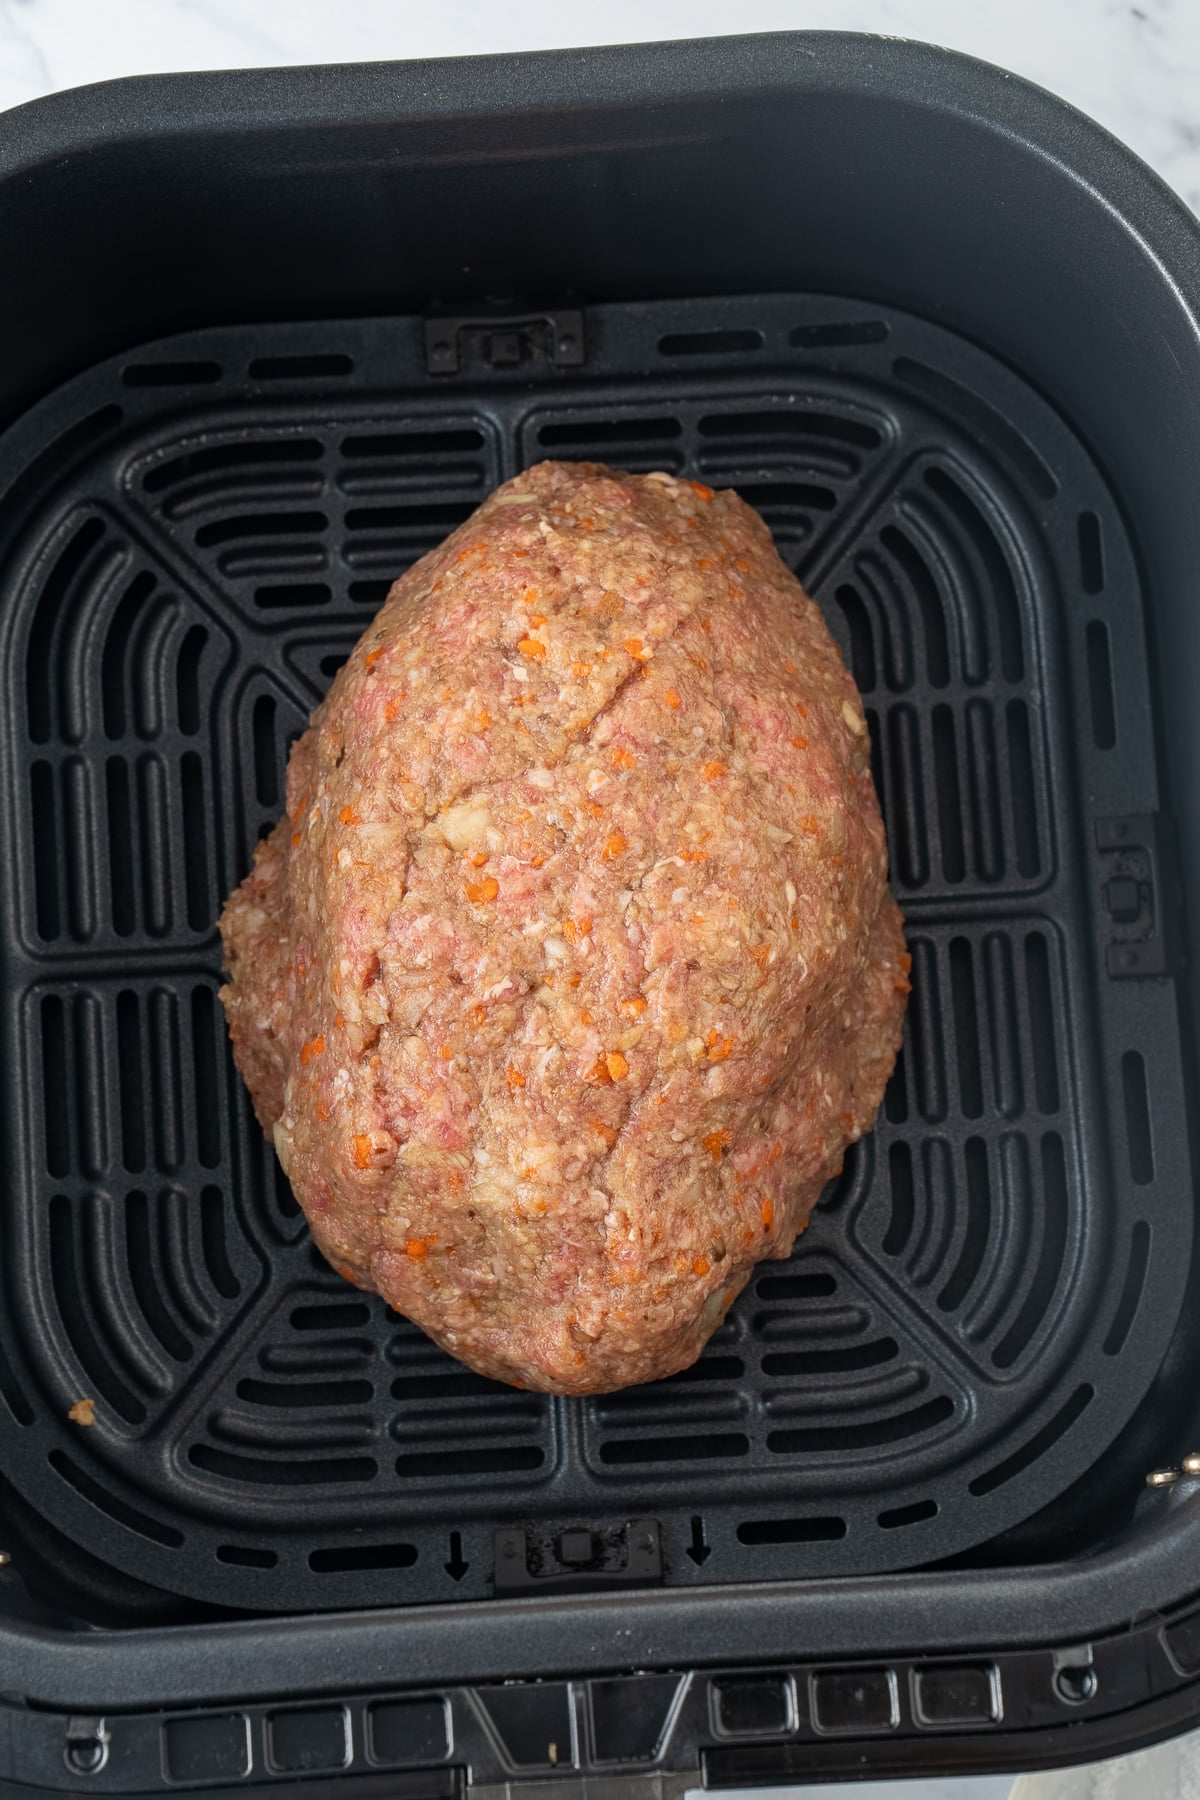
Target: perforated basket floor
[(199, 534)]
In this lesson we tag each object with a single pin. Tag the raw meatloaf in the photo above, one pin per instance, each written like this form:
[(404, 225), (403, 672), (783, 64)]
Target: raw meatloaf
[(573, 969)]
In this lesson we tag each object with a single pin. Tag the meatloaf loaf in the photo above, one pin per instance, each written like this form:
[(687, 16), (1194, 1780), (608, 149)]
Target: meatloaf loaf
[(572, 970)]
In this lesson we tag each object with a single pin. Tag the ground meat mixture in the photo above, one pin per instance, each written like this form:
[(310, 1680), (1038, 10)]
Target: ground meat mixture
[(573, 969)]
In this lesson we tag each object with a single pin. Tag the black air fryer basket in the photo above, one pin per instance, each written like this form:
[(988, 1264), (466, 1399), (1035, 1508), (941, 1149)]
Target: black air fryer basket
[(264, 340)]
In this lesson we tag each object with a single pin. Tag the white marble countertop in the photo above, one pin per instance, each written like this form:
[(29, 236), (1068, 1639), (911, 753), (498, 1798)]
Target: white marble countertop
[(1134, 67)]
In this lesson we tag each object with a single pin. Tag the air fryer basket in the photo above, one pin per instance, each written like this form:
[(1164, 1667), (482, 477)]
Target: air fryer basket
[(961, 427)]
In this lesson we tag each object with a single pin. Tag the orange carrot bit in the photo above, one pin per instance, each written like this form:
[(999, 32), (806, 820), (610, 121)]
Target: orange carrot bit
[(794, 922), (596, 810), (339, 1023), (295, 839), (579, 670), (802, 709), (585, 925), (483, 718), (718, 1047), (698, 487), (589, 524), (479, 859), (445, 1052), (531, 647), (570, 931), (847, 1120), (810, 824), (615, 844), (761, 954), (606, 1131), (361, 1145), (798, 743), (714, 1142), (743, 565), (585, 1017), (714, 769), (348, 816), (417, 1249), (573, 981), (371, 658), (312, 1048), (637, 1005), (699, 1265), (487, 889), (515, 1077), (789, 667), (905, 961), (704, 562), (768, 1214), (322, 1112), (538, 619), (671, 699), (634, 647), (706, 625), (346, 1272), (537, 862), (599, 1072), (479, 1015), (622, 759), (617, 1067)]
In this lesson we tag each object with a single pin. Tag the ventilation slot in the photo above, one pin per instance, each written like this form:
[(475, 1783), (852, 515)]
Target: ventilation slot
[(349, 1558), (983, 418), (838, 333), (74, 1282), (1038, 1445), (346, 1315), (502, 1459), (791, 1531), (1100, 686), (977, 1230), (809, 1286), (219, 459), (243, 1556), (131, 1081), (710, 343), (1091, 554), (705, 1447), (205, 1082), (315, 1471), (1003, 606), (1131, 1291), (131, 1517), (266, 774), (791, 422), (43, 655), (903, 1198), (898, 1516), (170, 374), (296, 593), (929, 608), (1137, 1118), (146, 1276), (44, 833), (1040, 997), (870, 1434), (1024, 792), (300, 368), (1052, 1229), (422, 446), (13, 1398), (212, 1238), (200, 909)]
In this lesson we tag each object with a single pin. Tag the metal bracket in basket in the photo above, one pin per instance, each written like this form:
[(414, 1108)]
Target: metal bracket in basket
[(578, 1561), (504, 341)]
